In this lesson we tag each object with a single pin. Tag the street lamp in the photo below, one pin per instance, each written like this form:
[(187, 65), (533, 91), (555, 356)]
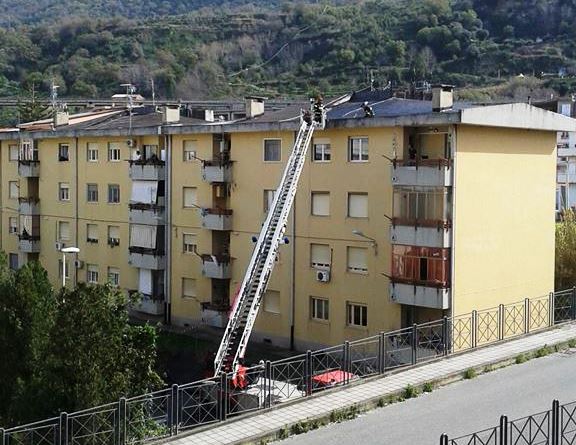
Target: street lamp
[(361, 234), (64, 251)]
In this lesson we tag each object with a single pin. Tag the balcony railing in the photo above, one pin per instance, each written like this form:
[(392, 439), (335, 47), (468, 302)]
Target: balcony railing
[(29, 243), (425, 233), (148, 214), (151, 169), (28, 168), (414, 294), (29, 206), (216, 266), (422, 172), (149, 304), (217, 219), (147, 258), (217, 171), (215, 315)]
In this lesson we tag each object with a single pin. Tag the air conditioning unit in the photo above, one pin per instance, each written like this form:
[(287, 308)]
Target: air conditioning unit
[(59, 245), (131, 143), (323, 276), (394, 179), (78, 264)]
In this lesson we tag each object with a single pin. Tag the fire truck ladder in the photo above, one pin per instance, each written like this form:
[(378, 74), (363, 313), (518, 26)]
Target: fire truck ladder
[(245, 310)]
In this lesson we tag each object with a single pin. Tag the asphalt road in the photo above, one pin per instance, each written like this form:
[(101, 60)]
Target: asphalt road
[(458, 409)]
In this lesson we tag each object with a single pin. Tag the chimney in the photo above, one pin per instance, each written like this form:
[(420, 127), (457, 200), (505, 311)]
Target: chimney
[(442, 97), (254, 106), (209, 115), (170, 114), (61, 118)]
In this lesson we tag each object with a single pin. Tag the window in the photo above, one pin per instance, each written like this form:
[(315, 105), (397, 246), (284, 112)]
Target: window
[(12, 224), (63, 152), (358, 150), (63, 231), (272, 150), (92, 152), (320, 203), (424, 265), (92, 192), (67, 268), (92, 273), (114, 276), (357, 260), (13, 261), (113, 193), (356, 314), (14, 152), (189, 243), (319, 308), (321, 150), (13, 190), (190, 197), (114, 152), (188, 287), (268, 199), (92, 233), (358, 205), (113, 236), (63, 191), (272, 301), (320, 256), (190, 151), (426, 206)]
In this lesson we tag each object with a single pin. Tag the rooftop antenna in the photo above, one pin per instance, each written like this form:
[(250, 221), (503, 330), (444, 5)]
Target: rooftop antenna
[(371, 80), (153, 92), (130, 90), (54, 95)]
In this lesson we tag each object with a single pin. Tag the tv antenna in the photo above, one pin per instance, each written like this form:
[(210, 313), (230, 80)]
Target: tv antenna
[(130, 90)]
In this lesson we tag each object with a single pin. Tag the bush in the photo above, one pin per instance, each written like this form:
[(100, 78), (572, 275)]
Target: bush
[(410, 392), (428, 387), (521, 359), (543, 351), (469, 374)]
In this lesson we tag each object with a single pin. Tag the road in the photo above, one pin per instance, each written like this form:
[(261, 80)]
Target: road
[(458, 409)]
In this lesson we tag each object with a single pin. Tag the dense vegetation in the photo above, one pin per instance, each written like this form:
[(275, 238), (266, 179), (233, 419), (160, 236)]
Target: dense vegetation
[(66, 351), (284, 49)]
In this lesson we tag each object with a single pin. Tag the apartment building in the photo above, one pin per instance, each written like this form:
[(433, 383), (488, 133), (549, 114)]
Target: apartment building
[(424, 209)]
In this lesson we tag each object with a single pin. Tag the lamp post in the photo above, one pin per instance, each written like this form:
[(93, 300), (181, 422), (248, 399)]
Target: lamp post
[(373, 241), (64, 251)]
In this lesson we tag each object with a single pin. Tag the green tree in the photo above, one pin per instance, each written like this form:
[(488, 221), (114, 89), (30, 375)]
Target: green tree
[(565, 275)]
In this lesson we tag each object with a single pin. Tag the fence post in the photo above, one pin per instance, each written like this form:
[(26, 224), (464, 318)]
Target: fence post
[(122, 431), (501, 317), (503, 430), (381, 353), (2, 436), (347, 362), (174, 410), (444, 439), (445, 338), (223, 396), (474, 329), (526, 315), (63, 429), (414, 343), (551, 309), (308, 374), (268, 384), (556, 433)]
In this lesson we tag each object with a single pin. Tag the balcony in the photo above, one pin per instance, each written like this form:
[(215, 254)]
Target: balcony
[(563, 177), (216, 266), (564, 151), (149, 304), (152, 169), (421, 233), (147, 214), (29, 169), (217, 219), (29, 206), (423, 172), (145, 258), (217, 171), (215, 315), (29, 243), (420, 295)]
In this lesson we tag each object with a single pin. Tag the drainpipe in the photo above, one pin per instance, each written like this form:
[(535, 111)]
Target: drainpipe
[(76, 206), (453, 215), (2, 207), (168, 228)]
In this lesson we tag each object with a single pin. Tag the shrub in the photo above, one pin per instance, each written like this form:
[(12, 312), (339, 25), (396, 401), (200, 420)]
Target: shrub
[(469, 373), (428, 387), (410, 392)]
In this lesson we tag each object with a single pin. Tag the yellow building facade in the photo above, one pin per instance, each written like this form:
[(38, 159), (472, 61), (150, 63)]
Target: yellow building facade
[(418, 212)]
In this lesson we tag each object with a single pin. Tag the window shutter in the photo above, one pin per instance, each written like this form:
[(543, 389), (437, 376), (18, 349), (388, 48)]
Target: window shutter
[(145, 281), (358, 205), (189, 238), (188, 287), (320, 255), (144, 192), (114, 232), (92, 231), (321, 204), (190, 196), (143, 236), (357, 259), (272, 301)]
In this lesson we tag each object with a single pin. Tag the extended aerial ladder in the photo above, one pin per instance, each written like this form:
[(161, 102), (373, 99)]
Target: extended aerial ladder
[(249, 297)]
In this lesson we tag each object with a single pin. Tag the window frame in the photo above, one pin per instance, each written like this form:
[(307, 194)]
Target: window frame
[(113, 271), (315, 309), (89, 192), (11, 227), (114, 149), (266, 309), (320, 266), (350, 316), (16, 186), (317, 193), (60, 225), (64, 191), (88, 238), (356, 270), (63, 147), (110, 188), (91, 274), (361, 152), (322, 159), (279, 140), (186, 151), (349, 196), (110, 239), (195, 288), (185, 245), (10, 148), (90, 150), (193, 206)]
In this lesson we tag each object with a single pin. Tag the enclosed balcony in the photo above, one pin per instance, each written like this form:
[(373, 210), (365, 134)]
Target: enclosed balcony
[(150, 169), (151, 291), (422, 216), (29, 235), (216, 266), (147, 247), (147, 203), (29, 169), (149, 214), (217, 171), (420, 276), (29, 206), (217, 219)]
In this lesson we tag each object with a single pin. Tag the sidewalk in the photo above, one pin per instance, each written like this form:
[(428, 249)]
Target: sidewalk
[(265, 425)]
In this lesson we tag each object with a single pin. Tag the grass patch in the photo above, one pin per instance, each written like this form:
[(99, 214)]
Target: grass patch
[(428, 387), (410, 392), (572, 343), (381, 402), (340, 415), (522, 358), (469, 374), (489, 368), (283, 433), (543, 351)]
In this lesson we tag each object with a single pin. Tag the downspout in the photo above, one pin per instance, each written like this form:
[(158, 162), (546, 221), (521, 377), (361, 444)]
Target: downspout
[(293, 269), (168, 228), (2, 207), (76, 216), (453, 222)]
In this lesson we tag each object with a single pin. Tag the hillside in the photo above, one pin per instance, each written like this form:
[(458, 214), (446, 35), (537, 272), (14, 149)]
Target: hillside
[(291, 49)]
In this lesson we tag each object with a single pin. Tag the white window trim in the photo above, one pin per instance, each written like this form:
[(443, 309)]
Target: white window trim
[(350, 194), (194, 250), (108, 197), (92, 150), (312, 204), (114, 149), (350, 316), (264, 150), (359, 161), (321, 161), (61, 189), (313, 308)]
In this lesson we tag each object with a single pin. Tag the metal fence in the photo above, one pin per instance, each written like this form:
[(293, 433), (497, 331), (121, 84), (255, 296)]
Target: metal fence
[(183, 407), (557, 426)]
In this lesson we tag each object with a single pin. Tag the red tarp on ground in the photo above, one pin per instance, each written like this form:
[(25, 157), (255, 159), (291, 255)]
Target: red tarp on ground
[(332, 377)]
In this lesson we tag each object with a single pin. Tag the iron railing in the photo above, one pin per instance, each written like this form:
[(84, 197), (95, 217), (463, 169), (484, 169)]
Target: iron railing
[(557, 426), (183, 407)]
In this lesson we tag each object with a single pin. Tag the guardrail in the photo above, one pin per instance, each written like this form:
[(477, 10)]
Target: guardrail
[(183, 407)]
